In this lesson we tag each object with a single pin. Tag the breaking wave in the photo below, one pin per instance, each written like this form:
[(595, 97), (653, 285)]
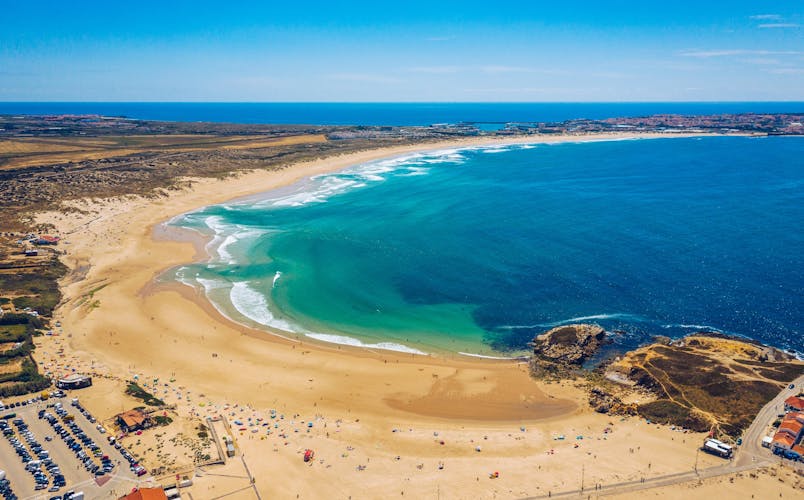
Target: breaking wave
[(490, 357), (254, 306), (577, 319), (343, 340)]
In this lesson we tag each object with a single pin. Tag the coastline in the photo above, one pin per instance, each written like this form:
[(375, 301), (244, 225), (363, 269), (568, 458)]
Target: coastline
[(146, 220), (204, 252), (172, 332)]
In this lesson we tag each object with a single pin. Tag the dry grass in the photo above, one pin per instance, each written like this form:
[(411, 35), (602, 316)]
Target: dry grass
[(13, 366), (708, 381), (21, 147), (7, 346), (47, 151)]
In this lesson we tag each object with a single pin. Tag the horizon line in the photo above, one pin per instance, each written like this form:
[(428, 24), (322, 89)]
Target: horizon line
[(395, 102)]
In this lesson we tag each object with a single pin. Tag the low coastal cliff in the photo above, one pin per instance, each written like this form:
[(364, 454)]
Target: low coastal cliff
[(703, 382)]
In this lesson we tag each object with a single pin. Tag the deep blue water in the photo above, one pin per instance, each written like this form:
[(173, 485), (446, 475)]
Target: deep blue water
[(388, 113), (478, 250)]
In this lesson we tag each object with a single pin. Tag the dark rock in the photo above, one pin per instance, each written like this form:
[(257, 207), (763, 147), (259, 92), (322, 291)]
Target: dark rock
[(570, 344), (662, 339), (604, 402)]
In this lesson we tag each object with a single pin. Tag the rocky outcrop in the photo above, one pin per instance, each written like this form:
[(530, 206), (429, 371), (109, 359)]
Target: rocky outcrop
[(561, 350), (603, 401), (570, 344)]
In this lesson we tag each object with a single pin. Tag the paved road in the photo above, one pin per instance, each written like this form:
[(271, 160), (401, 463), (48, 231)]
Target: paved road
[(752, 451), (751, 455)]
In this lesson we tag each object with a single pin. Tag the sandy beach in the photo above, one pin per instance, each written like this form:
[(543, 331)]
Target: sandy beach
[(381, 423)]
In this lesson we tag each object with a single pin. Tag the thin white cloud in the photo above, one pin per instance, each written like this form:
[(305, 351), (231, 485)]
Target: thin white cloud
[(766, 17), (787, 71), (737, 52), (778, 25)]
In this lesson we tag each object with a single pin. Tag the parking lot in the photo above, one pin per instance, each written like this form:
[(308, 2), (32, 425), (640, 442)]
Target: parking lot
[(53, 447)]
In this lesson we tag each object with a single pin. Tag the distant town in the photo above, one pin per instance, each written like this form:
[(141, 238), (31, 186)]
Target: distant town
[(97, 125)]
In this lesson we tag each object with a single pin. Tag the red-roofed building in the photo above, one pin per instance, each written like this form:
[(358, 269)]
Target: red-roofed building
[(133, 420), (146, 494), (791, 426), (794, 403), (783, 440), (797, 416)]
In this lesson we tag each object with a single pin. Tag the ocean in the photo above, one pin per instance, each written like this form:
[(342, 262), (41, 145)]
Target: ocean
[(477, 250), (406, 114)]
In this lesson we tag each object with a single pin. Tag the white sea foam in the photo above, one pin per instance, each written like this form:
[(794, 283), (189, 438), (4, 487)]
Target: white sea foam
[(210, 285), (227, 235), (215, 223), (223, 254), (490, 357), (326, 186), (414, 171), (320, 188), (343, 340), (176, 220), (573, 320), (496, 150), (253, 305), (181, 277), (706, 328), (276, 278)]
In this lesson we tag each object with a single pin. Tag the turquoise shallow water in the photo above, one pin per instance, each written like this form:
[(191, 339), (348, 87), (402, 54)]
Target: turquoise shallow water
[(477, 250)]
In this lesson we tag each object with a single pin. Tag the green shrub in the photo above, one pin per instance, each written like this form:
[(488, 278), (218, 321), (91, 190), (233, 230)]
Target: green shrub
[(138, 392)]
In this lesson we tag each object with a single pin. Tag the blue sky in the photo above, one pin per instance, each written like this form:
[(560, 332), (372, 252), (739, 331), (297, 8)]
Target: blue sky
[(402, 51)]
